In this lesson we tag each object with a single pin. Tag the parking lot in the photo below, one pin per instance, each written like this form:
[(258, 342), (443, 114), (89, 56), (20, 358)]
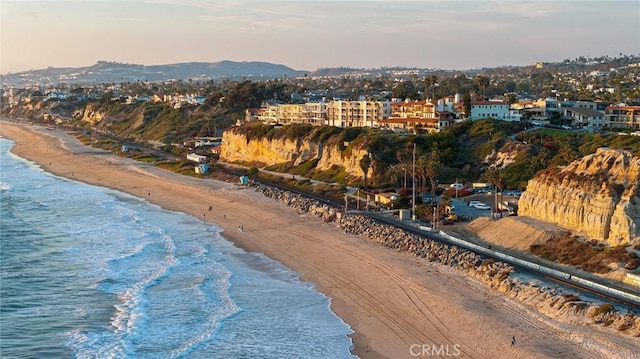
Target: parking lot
[(463, 209)]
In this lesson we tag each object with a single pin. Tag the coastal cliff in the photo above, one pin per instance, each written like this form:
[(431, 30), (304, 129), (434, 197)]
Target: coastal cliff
[(568, 308), (598, 195), (92, 114), (329, 154)]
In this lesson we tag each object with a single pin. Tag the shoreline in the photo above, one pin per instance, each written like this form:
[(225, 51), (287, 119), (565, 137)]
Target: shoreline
[(392, 300)]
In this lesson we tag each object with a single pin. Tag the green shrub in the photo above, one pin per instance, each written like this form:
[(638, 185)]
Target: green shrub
[(602, 309), (324, 133), (305, 168), (592, 258)]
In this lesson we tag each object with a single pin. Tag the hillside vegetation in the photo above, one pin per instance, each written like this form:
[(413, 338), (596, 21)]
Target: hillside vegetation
[(161, 123), (464, 151)]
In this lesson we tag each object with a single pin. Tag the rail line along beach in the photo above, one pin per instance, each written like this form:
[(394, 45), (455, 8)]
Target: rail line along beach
[(388, 303)]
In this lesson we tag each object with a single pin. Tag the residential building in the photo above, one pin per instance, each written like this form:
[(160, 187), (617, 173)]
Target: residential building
[(290, 113), (584, 104), (315, 113), (417, 124), (584, 117), (543, 109), (160, 97), (489, 109), (269, 115), (254, 114), (622, 117), (357, 113), (354, 114), (199, 100), (413, 109), (56, 95)]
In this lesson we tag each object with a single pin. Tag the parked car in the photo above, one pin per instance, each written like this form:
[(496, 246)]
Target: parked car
[(480, 206), (514, 193), (460, 193)]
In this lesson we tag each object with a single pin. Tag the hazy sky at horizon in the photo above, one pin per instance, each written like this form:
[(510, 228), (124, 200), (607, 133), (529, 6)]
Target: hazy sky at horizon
[(308, 34)]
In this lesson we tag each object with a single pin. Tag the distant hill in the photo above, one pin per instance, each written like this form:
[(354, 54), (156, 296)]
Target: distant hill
[(105, 71)]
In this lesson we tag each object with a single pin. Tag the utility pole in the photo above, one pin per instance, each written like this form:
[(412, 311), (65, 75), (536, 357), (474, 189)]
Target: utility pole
[(435, 217), (413, 201), (497, 203), (346, 203)]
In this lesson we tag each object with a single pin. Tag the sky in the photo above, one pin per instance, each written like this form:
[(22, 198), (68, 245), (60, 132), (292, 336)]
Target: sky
[(312, 34)]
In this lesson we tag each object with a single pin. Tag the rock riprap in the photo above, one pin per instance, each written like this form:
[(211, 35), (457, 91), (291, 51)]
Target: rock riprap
[(494, 274)]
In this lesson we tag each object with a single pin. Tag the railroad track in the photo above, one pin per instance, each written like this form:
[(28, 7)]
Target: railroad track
[(586, 285), (630, 300)]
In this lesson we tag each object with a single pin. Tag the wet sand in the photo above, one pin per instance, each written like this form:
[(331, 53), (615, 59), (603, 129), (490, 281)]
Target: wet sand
[(399, 306)]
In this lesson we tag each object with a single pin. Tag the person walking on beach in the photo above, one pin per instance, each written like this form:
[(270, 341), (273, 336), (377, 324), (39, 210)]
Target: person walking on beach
[(210, 208), (513, 341)]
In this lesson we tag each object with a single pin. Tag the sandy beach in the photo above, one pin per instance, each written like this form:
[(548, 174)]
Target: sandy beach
[(399, 306)]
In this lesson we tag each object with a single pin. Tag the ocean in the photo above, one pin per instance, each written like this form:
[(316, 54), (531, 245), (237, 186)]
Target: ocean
[(89, 272)]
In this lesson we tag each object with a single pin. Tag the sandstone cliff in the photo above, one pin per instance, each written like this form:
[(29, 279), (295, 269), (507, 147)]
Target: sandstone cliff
[(272, 151), (92, 114), (598, 195), (567, 308)]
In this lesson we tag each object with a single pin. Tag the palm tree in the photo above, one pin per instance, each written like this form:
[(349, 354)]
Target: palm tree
[(429, 84), (404, 156), (432, 168), (395, 172), (421, 170), (495, 176), (365, 163), (483, 82)]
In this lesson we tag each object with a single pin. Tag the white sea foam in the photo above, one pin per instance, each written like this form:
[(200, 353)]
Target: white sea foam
[(121, 278)]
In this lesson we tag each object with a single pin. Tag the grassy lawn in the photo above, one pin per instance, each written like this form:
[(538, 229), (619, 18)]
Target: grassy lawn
[(553, 132)]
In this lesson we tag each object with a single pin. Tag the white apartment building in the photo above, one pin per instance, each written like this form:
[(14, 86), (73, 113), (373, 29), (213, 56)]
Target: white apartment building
[(315, 113), (269, 115), (489, 109), (290, 113), (357, 113), (333, 113)]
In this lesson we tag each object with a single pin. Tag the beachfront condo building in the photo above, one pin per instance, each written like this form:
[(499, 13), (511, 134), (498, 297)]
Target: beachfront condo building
[(357, 113), (622, 117)]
